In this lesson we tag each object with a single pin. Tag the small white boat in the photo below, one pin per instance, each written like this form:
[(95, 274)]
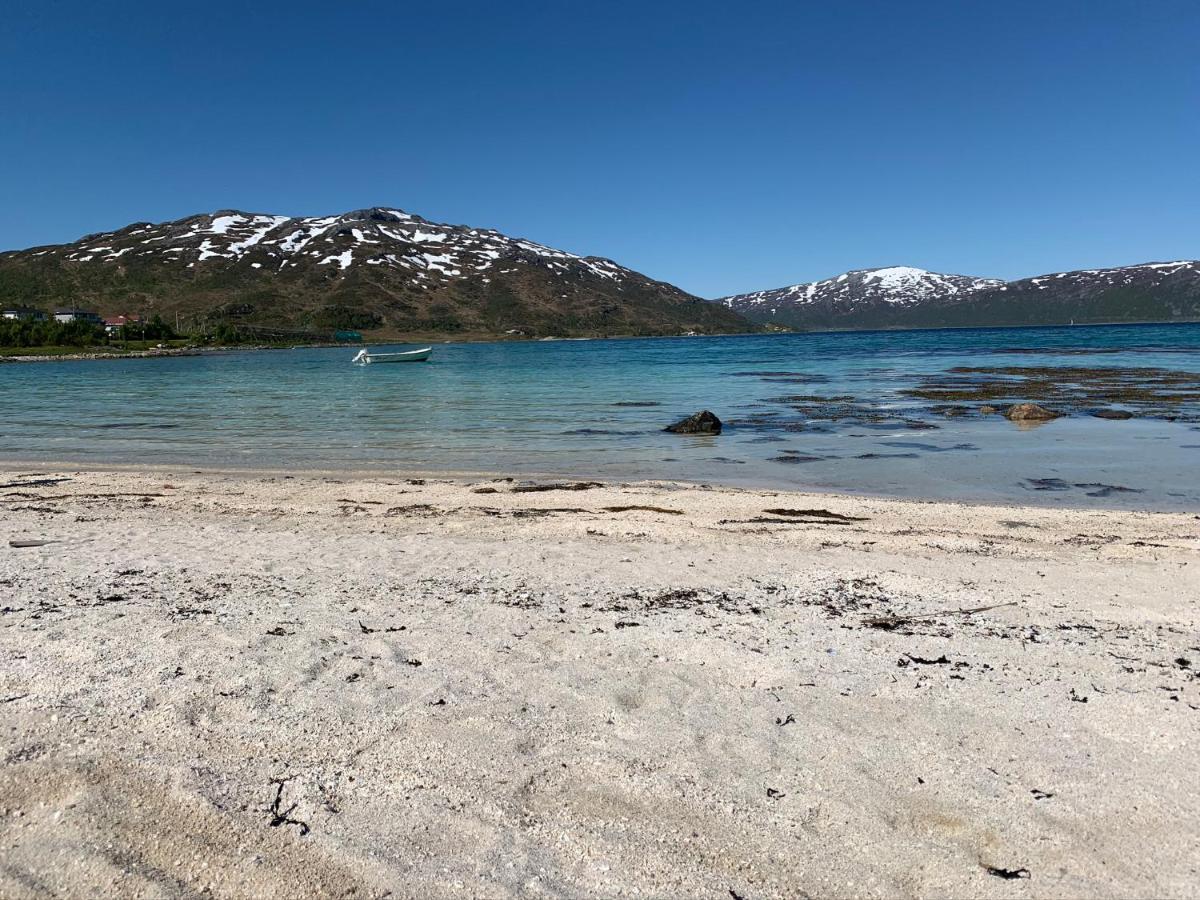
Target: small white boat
[(365, 356)]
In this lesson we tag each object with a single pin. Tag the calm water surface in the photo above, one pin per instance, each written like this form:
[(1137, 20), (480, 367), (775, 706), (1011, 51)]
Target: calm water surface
[(564, 407)]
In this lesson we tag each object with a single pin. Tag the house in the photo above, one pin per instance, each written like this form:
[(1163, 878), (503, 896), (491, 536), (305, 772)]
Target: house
[(23, 314), (117, 324), (77, 315)]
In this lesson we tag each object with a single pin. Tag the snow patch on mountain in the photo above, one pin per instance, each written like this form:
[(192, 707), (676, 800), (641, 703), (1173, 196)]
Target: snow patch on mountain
[(371, 237), (891, 285)]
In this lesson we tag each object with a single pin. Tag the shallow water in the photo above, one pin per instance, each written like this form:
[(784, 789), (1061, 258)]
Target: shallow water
[(596, 408)]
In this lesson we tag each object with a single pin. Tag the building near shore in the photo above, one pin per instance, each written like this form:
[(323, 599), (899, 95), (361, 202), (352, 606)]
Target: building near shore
[(23, 314), (77, 315), (118, 324)]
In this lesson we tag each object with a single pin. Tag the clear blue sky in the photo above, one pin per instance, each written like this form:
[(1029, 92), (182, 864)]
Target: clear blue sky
[(720, 146)]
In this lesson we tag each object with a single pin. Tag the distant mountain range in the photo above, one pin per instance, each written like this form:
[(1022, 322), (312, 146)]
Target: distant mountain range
[(904, 297), (369, 269), (394, 273)]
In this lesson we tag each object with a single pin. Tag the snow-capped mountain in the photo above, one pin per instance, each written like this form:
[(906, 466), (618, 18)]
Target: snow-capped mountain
[(367, 268), (902, 296), (425, 251), (903, 285)]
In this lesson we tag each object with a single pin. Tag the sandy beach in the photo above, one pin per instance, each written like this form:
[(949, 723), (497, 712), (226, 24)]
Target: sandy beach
[(282, 685)]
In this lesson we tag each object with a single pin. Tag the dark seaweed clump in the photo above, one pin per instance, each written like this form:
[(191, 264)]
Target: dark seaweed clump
[(1150, 391)]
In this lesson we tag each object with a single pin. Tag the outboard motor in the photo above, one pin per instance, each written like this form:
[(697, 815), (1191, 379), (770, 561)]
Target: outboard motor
[(362, 356)]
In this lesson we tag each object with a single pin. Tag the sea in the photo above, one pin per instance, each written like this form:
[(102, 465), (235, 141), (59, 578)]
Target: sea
[(846, 412)]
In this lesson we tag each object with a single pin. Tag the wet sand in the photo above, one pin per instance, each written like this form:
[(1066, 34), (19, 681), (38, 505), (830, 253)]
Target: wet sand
[(276, 685)]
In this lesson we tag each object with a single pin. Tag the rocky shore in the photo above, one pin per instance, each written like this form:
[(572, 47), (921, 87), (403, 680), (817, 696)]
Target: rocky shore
[(278, 685)]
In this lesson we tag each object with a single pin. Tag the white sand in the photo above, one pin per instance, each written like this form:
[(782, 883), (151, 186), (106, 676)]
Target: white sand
[(193, 645)]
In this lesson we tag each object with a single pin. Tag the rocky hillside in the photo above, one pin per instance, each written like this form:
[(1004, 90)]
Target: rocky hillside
[(370, 269), (904, 297)]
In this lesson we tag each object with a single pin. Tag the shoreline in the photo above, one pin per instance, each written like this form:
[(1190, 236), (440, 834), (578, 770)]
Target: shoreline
[(131, 354), (382, 342), (314, 684), (510, 339), (466, 477)]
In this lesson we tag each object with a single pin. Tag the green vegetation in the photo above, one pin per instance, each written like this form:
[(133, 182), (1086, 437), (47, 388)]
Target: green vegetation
[(55, 338), (26, 333)]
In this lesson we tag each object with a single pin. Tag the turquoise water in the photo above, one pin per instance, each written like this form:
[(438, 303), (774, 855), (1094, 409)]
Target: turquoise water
[(558, 408)]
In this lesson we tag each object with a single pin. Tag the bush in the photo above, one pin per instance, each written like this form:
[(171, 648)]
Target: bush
[(25, 333)]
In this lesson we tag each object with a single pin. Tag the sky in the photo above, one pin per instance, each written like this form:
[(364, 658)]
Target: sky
[(723, 147)]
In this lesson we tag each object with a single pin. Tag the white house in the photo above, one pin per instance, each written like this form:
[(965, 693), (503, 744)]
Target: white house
[(77, 315), (23, 313)]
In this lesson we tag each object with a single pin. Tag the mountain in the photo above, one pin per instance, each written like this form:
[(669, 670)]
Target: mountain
[(369, 269), (904, 297)]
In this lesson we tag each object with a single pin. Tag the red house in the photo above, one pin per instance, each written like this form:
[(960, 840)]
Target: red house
[(116, 324)]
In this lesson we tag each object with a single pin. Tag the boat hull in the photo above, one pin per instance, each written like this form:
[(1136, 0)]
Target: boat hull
[(407, 356)]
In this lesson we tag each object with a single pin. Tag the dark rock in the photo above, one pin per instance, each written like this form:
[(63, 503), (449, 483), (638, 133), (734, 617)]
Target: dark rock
[(703, 422), (1113, 414), (1029, 412)]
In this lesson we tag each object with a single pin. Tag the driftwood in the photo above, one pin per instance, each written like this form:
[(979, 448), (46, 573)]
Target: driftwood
[(893, 621)]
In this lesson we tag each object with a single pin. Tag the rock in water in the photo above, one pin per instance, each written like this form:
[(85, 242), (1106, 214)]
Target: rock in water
[(986, 410), (703, 422), (1029, 412), (1113, 414)]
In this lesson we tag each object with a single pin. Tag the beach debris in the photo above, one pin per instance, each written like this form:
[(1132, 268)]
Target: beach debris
[(1010, 874), (412, 661), (633, 506), (788, 720), (889, 622), (628, 625), (37, 482), (774, 794), (545, 511), (1040, 794), (556, 486), (1029, 412), (837, 518), (908, 658), (485, 490), (278, 631), (20, 544), (413, 509), (768, 520), (703, 422), (387, 630), (280, 817), (1076, 698)]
